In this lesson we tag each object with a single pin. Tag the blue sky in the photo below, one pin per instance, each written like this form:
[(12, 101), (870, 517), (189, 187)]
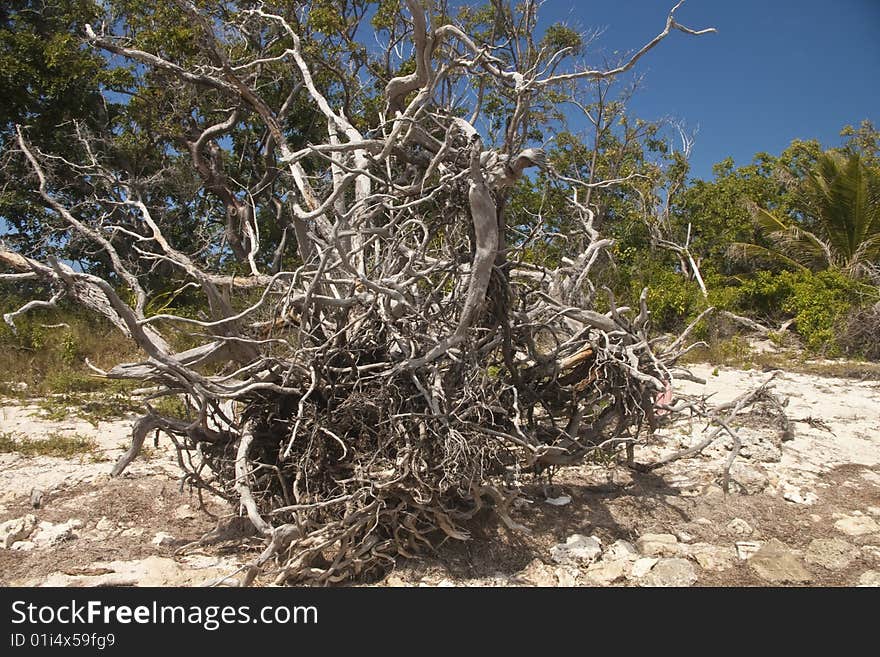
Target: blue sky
[(776, 70)]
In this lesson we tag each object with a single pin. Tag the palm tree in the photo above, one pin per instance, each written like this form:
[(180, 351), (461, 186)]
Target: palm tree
[(839, 201)]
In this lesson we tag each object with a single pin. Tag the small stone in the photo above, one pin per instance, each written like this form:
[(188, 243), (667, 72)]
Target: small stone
[(16, 530), (874, 510), (577, 548), (36, 497), (794, 495), (621, 550), (740, 527), (670, 572), (870, 578), (746, 549), (608, 571), (683, 536), (857, 525), (815, 517), (871, 552), (562, 500), (712, 557), (657, 545), (775, 563), (643, 566), (49, 534), (105, 525), (703, 521), (132, 532), (537, 573), (566, 577), (830, 553), (162, 539), (750, 479), (185, 512), (24, 546)]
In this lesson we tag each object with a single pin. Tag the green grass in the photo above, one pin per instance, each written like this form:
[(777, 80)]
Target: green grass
[(54, 444), (735, 352)]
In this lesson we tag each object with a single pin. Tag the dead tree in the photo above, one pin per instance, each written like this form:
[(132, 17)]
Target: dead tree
[(369, 401)]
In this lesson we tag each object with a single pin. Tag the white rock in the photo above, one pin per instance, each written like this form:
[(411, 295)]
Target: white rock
[(712, 557), (577, 548), (49, 534), (105, 525), (608, 571), (657, 545), (794, 495), (566, 577), (15, 530), (857, 525), (745, 549), (870, 578), (643, 566), (162, 539), (185, 512), (670, 572), (740, 527), (871, 552), (24, 546), (621, 550), (132, 532), (562, 500)]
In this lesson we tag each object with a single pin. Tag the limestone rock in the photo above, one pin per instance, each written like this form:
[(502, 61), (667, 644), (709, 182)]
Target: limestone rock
[(775, 563), (855, 525), (643, 566), (748, 479), (536, 573), (608, 571), (670, 572), (870, 578), (162, 539), (831, 553), (747, 549), (49, 534), (621, 550), (577, 549), (658, 545), (712, 557), (740, 527), (17, 529)]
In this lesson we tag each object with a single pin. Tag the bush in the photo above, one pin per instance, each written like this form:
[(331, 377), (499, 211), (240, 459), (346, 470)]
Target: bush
[(861, 333), (818, 302)]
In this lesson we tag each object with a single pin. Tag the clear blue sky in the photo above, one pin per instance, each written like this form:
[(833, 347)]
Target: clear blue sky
[(776, 70)]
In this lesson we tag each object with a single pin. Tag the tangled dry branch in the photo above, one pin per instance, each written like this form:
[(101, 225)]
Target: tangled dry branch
[(414, 365)]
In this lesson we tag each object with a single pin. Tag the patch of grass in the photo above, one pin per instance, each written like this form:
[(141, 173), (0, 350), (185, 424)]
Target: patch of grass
[(171, 406), (54, 444), (92, 408), (736, 353)]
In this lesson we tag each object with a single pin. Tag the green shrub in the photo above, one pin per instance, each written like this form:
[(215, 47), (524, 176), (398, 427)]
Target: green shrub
[(818, 302), (672, 299)]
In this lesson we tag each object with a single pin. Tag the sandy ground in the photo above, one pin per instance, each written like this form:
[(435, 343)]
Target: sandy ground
[(801, 512)]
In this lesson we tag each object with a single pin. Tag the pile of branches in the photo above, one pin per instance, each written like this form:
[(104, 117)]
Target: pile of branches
[(413, 365)]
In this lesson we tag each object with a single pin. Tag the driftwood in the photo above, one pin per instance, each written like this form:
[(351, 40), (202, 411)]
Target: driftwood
[(414, 365)]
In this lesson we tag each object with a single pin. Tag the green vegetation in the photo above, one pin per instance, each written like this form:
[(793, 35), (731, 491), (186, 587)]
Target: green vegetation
[(54, 444)]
